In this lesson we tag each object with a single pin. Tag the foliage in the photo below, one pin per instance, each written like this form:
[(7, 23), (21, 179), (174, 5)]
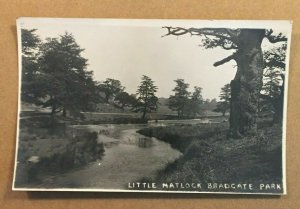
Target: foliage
[(178, 101), (245, 45), (111, 88), (272, 82), (224, 103), (209, 104), (184, 102), (30, 43), (146, 99), (273, 88), (56, 75), (194, 104), (275, 57), (123, 99), (274, 69)]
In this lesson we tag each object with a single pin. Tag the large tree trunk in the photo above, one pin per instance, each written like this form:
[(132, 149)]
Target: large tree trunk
[(246, 86), (144, 111)]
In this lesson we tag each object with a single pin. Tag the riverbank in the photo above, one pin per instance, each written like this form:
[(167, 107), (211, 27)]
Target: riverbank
[(49, 157), (209, 157), (180, 136), (47, 145)]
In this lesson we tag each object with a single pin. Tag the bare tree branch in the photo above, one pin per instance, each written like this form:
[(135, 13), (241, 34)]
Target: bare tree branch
[(225, 60), (175, 31), (229, 47), (276, 39), (221, 33), (273, 38), (217, 32), (232, 32)]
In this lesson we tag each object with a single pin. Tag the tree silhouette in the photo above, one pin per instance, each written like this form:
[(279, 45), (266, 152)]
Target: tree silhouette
[(179, 100), (273, 88), (194, 104), (147, 101), (66, 83), (224, 103), (247, 83), (111, 87), (123, 99), (30, 68)]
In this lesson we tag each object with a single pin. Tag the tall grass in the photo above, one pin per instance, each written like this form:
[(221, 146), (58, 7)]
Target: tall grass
[(180, 136), (209, 156)]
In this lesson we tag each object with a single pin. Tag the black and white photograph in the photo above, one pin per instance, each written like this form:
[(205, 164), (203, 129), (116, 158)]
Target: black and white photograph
[(168, 106)]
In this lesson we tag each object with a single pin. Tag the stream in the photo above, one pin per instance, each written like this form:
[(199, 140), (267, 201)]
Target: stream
[(128, 157)]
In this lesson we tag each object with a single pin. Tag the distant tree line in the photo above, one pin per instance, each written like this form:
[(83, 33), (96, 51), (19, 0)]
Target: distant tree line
[(144, 101)]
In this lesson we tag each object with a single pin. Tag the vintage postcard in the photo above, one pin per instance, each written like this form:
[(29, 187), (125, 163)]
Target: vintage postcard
[(176, 106)]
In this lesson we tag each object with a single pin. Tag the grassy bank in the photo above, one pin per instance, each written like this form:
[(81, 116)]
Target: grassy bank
[(209, 157), (180, 136), (47, 145)]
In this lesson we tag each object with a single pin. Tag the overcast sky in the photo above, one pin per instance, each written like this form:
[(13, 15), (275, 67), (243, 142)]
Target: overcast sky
[(126, 52)]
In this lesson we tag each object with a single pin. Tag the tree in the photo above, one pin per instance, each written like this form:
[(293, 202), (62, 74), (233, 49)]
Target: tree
[(179, 100), (224, 103), (30, 68), (147, 101), (111, 87), (272, 81), (209, 104), (123, 99), (247, 83), (194, 104), (30, 41), (67, 85), (272, 92)]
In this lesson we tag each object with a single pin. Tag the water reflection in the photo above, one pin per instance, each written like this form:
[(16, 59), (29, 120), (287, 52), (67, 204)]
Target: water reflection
[(145, 142)]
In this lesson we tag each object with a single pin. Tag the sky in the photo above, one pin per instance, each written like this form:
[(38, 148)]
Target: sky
[(127, 51)]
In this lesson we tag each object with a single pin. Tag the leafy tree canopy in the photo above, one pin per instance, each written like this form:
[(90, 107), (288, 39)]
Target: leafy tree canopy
[(194, 103), (224, 104), (123, 99), (59, 79), (147, 100), (180, 98), (111, 88)]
